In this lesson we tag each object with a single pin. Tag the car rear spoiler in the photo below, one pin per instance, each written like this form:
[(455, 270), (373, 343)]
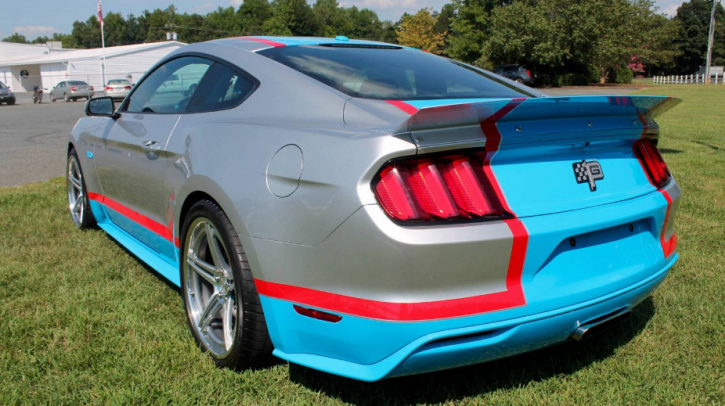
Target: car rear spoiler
[(533, 120)]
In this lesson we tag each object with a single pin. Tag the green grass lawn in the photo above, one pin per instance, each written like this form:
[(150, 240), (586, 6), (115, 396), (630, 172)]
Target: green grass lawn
[(83, 322)]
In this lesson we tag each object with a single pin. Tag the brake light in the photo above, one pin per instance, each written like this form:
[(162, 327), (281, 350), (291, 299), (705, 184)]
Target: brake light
[(127, 87), (652, 162), (73, 88), (109, 88), (91, 88), (449, 187), (528, 72)]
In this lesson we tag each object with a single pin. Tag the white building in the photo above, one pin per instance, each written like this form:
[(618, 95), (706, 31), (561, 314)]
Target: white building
[(23, 71)]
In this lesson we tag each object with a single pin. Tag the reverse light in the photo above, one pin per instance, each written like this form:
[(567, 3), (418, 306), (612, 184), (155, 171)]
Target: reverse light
[(317, 314), (652, 162), (444, 187)]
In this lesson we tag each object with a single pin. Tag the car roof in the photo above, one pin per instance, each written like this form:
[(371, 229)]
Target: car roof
[(257, 43)]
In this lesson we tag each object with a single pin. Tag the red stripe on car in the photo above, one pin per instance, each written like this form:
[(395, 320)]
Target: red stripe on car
[(403, 106), (264, 41), (137, 218)]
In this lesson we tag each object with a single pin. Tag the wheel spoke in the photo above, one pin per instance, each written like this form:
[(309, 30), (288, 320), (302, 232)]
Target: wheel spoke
[(212, 306), (204, 269), (228, 314), (76, 182), (216, 253), (77, 205)]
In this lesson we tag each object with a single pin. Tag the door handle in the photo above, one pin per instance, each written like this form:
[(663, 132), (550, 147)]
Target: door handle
[(151, 146)]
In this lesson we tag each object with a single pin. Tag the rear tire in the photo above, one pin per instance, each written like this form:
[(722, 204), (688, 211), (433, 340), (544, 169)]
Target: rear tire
[(78, 202), (223, 309), (519, 80), (65, 97)]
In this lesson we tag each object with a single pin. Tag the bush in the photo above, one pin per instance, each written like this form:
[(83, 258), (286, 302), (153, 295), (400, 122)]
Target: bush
[(621, 76), (571, 79)]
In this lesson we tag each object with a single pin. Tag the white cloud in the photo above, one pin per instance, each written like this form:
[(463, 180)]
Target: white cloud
[(236, 3), (35, 30), (671, 10)]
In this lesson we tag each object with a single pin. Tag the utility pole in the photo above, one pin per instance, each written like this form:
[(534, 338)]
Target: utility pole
[(710, 41)]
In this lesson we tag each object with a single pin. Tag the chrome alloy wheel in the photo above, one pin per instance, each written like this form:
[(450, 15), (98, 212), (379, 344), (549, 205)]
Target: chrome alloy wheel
[(209, 287), (75, 191)]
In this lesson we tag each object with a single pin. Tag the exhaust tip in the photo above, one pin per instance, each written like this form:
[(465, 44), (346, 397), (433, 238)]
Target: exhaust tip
[(600, 324)]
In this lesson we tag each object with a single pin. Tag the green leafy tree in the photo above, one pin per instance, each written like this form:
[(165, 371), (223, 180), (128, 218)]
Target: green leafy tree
[(114, 28), (252, 15), (291, 17), (16, 38), (694, 19), (332, 19), (469, 28), (418, 31), (365, 24)]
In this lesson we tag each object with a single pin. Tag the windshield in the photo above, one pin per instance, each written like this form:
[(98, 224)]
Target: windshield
[(77, 83), (391, 73), (118, 82)]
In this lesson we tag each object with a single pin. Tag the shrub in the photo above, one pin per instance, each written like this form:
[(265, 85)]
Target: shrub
[(621, 75), (571, 79)]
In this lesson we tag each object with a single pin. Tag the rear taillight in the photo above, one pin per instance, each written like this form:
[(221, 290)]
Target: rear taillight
[(652, 162), (127, 87), (73, 88), (528, 72), (450, 187), (109, 88), (91, 88)]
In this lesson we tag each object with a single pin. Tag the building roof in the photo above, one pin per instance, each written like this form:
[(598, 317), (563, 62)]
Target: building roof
[(77, 54)]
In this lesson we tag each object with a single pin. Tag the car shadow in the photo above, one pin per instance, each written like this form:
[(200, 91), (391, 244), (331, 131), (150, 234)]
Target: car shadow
[(670, 151), (460, 383)]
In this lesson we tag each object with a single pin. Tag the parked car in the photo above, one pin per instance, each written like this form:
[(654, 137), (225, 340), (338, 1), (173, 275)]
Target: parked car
[(516, 73), (118, 88), (6, 95), (373, 211), (71, 90)]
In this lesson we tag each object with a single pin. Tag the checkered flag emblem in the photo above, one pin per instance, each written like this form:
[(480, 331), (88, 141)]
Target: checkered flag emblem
[(588, 172)]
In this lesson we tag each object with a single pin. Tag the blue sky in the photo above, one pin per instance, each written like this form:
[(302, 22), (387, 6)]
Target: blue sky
[(33, 18)]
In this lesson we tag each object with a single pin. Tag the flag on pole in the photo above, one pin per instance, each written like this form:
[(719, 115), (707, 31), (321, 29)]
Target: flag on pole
[(100, 12)]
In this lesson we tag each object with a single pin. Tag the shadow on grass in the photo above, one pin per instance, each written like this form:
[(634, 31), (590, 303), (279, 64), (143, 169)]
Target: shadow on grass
[(456, 384), (670, 151), (713, 147)]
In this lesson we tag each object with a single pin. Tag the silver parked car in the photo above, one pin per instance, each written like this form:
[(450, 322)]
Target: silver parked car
[(72, 90), (372, 210), (118, 88)]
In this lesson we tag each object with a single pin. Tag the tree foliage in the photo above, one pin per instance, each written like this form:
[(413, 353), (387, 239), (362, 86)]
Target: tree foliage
[(419, 31), (694, 19)]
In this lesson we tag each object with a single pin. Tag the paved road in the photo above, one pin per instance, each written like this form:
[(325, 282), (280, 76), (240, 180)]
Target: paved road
[(33, 137)]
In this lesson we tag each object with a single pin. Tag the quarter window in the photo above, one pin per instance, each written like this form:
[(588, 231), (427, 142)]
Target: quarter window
[(170, 87), (222, 88)]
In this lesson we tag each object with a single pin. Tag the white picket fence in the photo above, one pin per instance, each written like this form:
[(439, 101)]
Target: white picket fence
[(688, 79)]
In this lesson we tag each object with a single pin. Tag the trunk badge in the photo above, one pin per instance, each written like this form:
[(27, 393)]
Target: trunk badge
[(588, 172)]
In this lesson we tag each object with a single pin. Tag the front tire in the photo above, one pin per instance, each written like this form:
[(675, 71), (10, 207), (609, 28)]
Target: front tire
[(223, 308), (519, 81), (78, 203), (52, 98)]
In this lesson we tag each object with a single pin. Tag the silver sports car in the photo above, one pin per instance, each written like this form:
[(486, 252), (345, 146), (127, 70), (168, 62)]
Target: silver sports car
[(372, 210)]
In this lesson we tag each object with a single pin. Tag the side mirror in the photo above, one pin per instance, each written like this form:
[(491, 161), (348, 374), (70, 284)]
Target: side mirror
[(101, 107)]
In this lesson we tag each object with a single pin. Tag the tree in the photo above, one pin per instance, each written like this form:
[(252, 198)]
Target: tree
[(418, 31), (694, 19), (332, 19), (252, 15), (114, 28), (469, 28), (365, 24), (16, 38), (291, 17)]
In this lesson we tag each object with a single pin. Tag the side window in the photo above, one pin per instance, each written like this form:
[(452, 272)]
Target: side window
[(222, 88), (61, 84), (170, 87)]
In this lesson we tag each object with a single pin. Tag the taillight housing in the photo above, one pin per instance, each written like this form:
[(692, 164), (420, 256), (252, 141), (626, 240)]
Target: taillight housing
[(127, 87), (73, 88), (449, 187), (528, 72), (91, 88), (109, 88), (652, 162)]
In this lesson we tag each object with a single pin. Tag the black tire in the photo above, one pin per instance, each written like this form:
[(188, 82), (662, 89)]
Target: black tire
[(519, 80), (252, 346), (85, 219), (52, 98), (11, 102), (65, 97)]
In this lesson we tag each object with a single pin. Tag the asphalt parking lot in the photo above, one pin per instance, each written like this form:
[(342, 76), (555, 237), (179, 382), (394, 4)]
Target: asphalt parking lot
[(33, 136)]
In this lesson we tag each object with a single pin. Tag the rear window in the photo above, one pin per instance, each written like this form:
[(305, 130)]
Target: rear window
[(391, 73), (77, 83), (118, 82), (2, 85)]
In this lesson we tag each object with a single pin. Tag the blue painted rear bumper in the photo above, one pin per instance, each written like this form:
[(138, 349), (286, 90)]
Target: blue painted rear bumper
[(427, 353)]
